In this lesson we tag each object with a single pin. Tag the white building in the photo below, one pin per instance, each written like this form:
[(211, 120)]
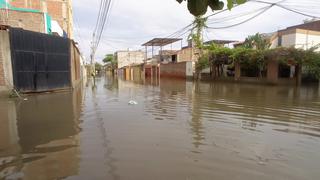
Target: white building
[(126, 58), (303, 36)]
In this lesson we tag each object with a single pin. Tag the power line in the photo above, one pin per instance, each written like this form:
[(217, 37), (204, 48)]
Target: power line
[(186, 29), (101, 23), (286, 8), (102, 19), (242, 22), (232, 17)]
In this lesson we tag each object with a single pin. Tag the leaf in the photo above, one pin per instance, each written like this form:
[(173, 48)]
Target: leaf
[(230, 4), (216, 5), (198, 7), (241, 1)]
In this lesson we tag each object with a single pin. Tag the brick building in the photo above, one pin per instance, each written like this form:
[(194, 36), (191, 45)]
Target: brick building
[(59, 10), (32, 21)]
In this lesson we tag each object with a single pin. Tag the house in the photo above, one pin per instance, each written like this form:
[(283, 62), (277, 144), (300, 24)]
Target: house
[(126, 58), (59, 11), (303, 36)]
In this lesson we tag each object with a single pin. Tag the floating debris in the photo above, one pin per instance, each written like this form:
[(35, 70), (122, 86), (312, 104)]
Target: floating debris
[(132, 102)]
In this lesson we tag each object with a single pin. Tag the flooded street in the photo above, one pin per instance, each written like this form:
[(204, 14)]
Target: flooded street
[(177, 130)]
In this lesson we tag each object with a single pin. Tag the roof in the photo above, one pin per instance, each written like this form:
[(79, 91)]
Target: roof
[(161, 41), (220, 41), (237, 44), (313, 26)]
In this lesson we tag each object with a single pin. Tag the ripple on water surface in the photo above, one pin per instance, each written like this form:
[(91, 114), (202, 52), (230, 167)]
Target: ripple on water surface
[(178, 130)]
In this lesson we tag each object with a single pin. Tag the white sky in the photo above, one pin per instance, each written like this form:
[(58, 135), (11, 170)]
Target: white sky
[(133, 22)]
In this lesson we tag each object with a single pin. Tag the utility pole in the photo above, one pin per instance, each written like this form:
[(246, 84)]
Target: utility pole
[(93, 69)]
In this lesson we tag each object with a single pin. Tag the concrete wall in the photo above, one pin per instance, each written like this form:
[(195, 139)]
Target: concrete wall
[(297, 38), (274, 43), (288, 40), (75, 64), (59, 10), (9, 138), (27, 20), (6, 79), (307, 39), (126, 58), (177, 70)]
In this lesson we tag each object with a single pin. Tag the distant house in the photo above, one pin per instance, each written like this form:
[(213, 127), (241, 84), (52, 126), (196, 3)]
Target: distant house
[(303, 36), (126, 58)]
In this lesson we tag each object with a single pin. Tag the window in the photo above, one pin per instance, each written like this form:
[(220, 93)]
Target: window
[(280, 41)]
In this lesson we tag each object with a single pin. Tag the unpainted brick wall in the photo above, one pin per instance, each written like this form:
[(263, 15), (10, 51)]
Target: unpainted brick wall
[(188, 54), (59, 10), (177, 70), (29, 4), (26, 20)]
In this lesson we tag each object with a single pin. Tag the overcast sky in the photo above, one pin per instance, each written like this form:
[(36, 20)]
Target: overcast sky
[(133, 22)]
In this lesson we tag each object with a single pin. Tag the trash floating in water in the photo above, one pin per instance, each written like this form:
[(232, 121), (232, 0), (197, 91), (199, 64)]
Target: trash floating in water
[(25, 99), (132, 102)]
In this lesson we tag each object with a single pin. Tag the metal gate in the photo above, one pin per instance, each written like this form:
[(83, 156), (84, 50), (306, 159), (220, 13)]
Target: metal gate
[(40, 62)]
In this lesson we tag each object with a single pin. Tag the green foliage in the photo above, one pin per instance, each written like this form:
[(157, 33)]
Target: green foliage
[(108, 58), (200, 7), (98, 67), (256, 58), (257, 41), (312, 63), (111, 61), (199, 24), (202, 63), (219, 54)]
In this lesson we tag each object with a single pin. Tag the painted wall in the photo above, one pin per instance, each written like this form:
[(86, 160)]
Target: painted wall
[(288, 40), (126, 58), (299, 39), (307, 41)]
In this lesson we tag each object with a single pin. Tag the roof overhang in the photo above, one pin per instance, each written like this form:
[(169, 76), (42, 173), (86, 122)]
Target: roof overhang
[(220, 42), (161, 41)]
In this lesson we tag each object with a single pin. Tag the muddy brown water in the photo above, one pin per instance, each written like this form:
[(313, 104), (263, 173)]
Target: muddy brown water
[(178, 130)]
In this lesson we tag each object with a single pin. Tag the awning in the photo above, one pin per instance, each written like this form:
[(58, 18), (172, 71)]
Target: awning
[(161, 41)]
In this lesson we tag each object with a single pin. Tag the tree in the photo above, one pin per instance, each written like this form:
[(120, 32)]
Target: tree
[(98, 67), (108, 58), (200, 7), (257, 41), (111, 61), (199, 24)]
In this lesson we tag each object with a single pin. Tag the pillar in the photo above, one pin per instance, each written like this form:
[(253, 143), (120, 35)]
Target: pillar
[(298, 75), (273, 72), (237, 71)]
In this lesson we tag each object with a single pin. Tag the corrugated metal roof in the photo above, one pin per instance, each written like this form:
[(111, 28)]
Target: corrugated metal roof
[(161, 41)]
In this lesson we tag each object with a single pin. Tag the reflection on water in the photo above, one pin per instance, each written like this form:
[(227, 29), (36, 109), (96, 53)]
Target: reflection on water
[(38, 137), (178, 130)]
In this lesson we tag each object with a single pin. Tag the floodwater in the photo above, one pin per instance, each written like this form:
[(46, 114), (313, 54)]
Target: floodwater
[(178, 130)]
